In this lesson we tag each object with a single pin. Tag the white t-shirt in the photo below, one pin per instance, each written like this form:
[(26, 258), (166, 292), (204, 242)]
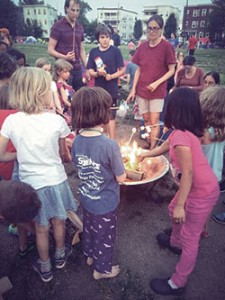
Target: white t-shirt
[(36, 139)]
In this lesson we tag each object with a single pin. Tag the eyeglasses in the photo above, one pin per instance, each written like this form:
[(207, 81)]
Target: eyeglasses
[(154, 29)]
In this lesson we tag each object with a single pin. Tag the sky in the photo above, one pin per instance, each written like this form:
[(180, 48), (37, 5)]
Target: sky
[(133, 5)]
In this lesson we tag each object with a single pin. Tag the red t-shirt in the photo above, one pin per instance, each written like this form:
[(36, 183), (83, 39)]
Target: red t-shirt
[(192, 42), (6, 168), (153, 63)]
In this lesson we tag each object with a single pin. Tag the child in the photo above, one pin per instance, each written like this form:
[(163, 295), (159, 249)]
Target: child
[(61, 73), (44, 64), (213, 108), (105, 64), (19, 202), (39, 138), (100, 168), (198, 187)]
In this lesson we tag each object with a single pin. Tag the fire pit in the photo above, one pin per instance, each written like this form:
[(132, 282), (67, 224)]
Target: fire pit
[(148, 170)]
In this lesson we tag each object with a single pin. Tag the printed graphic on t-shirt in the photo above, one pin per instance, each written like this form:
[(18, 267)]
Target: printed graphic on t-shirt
[(90, 175)]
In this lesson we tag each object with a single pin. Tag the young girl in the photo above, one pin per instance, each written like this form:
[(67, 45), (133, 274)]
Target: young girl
[(61, 73), (39, 138), (212, 101), (44, 64), (100, 168), (198, 187)]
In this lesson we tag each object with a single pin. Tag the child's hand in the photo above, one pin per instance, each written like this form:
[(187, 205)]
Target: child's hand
[(179, 214), (108, 77), (101, 72)]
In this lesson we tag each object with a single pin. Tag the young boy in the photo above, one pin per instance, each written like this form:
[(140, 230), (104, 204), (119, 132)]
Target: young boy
[(105, 64)]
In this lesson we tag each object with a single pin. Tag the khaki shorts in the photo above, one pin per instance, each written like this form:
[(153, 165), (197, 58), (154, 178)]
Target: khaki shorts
[(145, 105)]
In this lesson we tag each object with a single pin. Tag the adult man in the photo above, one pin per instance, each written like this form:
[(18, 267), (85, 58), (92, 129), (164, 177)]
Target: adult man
[(66, 41)]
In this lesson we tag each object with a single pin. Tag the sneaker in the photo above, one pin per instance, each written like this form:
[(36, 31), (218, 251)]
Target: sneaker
[(219, 218), (45, 276), (164, 241), (222, 187), (162, 287), (60, 262), (30, 248), (12, 229)]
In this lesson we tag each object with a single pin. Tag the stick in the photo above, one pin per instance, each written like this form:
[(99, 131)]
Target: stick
[(74, 31)]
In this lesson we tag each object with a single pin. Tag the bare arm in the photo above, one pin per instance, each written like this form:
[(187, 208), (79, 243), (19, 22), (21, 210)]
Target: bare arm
[(5, 156), (121, 178), (152, 86), (163, 148), (51, 51), (64, 97), (64, 151), (135, 82), (115, 75), (184, 157)]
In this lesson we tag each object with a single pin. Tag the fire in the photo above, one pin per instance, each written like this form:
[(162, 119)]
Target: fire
[(129, 155)]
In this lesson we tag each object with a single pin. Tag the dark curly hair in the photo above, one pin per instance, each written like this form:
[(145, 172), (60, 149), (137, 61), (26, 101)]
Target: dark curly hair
[(8, 65)]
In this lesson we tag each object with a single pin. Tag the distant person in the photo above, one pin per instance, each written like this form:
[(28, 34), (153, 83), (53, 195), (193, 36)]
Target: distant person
[(19, 57), (173, 40), (39, 138), (115, 37), (5, 37), (198, 188), (192, 44), (155, 60), (179, 64), (66, 41), (100, 169), (106, 65), (190, 75)]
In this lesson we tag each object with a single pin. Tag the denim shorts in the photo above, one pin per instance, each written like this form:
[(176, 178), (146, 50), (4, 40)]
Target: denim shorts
[(55, 202)]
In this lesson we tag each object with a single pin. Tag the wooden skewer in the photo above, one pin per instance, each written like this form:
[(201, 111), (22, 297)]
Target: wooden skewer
[(74, 32)]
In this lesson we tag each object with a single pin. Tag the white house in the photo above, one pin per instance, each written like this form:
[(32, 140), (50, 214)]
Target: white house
[(44, 14), (162, 10), (119, 18)]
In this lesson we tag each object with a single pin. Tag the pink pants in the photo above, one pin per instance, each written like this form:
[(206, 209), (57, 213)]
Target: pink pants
[(186, 236)]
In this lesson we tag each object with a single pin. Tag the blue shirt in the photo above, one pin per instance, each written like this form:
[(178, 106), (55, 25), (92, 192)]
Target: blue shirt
[(131, 69), (98, 162), (112, 60)]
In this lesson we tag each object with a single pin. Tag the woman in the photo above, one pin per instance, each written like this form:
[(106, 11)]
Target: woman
[(155, 60), (190, 76), (211, 78)]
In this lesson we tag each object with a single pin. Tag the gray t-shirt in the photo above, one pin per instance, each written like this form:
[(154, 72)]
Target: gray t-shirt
[(98, 160)]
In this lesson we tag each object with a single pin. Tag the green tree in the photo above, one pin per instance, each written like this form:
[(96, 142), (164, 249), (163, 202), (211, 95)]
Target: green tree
[(30, 2), (170, 26), (84, 9), (31, 27), (216, 22), (138, 30), (8, 15), (91, 28)]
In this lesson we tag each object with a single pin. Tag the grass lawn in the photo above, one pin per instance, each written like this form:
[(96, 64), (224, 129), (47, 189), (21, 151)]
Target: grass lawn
[(208, 59)]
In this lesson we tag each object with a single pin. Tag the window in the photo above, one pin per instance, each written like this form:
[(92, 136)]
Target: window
[(28, 12), (202, 24), (35, 11), (44, 11), (39, 11), (201, 34), (196, 12), (204, 12), (194, 24), (46, 22)]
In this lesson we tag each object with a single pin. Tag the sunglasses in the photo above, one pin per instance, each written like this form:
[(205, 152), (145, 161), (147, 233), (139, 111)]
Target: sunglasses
[(154, 29)]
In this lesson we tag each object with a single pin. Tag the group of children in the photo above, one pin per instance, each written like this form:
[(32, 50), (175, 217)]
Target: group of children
[(39, 139)]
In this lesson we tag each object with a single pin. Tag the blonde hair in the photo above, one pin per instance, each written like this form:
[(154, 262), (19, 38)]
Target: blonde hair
[(29, 90), (41, 62), (60, 65), (212, 101)]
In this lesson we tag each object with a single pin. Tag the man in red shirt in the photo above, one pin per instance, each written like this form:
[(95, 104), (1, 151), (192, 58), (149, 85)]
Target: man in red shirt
[(192, 42)]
